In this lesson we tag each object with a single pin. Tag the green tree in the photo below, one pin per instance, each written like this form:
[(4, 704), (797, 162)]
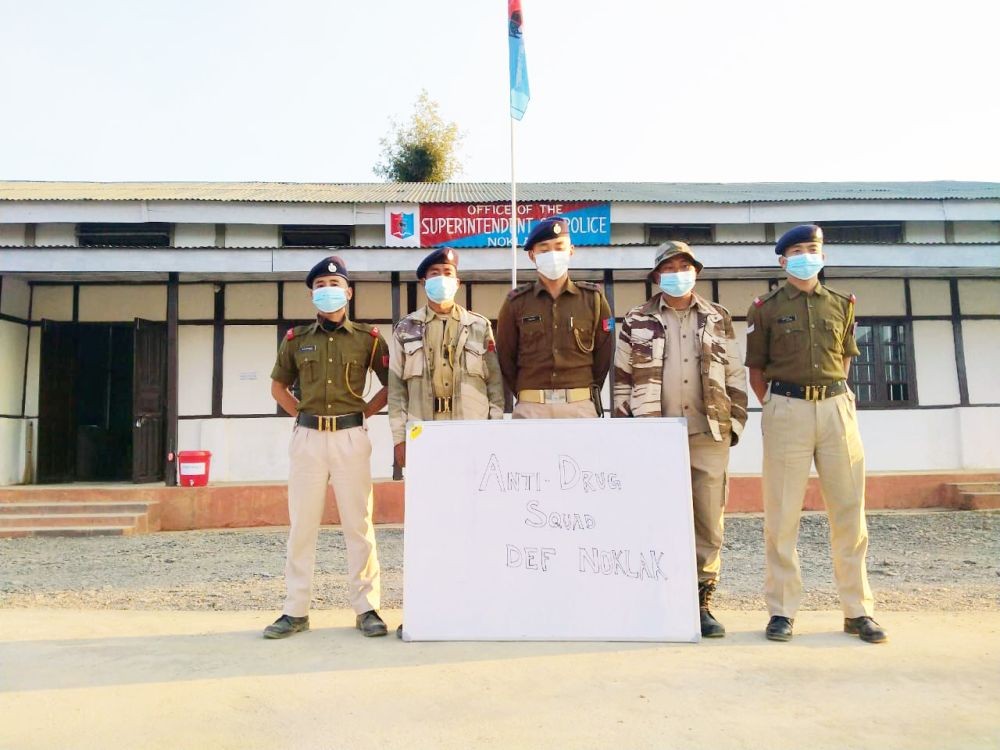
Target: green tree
[(425, 150)]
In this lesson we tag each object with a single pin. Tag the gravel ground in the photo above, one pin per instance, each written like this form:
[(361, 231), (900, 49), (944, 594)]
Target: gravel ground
[(917, 561)]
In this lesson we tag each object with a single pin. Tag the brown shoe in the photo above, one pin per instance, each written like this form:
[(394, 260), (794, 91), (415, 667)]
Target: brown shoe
[(285, 626), (865, 628)]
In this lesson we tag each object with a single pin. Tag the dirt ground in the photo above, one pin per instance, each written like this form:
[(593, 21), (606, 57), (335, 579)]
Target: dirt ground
[(930, 560)]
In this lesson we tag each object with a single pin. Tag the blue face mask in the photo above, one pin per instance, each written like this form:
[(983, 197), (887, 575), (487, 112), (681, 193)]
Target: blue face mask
[(677, 284), (329, 299), (804, 266), (441, 288)]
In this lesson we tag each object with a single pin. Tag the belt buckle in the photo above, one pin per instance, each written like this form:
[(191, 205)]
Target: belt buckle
[(442, 404), (327, 424), (815, 392), (556, 396)]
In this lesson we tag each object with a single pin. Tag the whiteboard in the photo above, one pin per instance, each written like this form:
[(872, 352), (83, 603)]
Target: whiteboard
[(573, 529)]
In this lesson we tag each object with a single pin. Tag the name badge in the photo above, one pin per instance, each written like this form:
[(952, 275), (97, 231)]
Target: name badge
[(531, 319), (787, 319), (310, 348)]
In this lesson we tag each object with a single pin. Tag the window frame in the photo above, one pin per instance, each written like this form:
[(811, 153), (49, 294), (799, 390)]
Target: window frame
[(676, 232), (860, 225), (878, 364), (344, 229), (84, 232)]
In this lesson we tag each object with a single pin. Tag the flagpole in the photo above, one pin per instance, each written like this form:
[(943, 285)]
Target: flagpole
[(513, 212)]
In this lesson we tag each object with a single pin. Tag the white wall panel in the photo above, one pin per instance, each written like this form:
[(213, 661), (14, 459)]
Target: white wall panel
[(628, 294), (55, 235), (978, 430), (252, 235), (487, 298), (369, 236), (248, 356), (251, 301), (979, 296), (15, 297), (298, 301), (923, 231), (930, 297), (52, 303), (977, 231), (875, 296), (737, 296), (12, 453), (373, 300), (107, 303), (934, 353), (196, 301), (13, 351), (31, 391), (194, 370), (981, 340), (194, 235), (628, 234), (739, 232), (11, 235)]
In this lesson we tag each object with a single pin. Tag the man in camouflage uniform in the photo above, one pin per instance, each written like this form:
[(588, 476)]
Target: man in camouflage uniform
[(442, 357), (554, 336), (330, 358), (800, 341), (677, 356)]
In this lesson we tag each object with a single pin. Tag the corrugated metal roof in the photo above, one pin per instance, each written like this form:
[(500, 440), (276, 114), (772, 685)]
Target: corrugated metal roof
[(475, 192)]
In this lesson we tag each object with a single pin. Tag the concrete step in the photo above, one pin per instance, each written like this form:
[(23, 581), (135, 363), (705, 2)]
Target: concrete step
[(979, 500), (71, 507), (12, 520), (27, 531), (977, 486)]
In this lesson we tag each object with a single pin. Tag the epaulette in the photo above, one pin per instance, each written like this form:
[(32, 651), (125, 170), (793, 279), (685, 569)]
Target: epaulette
[(291, 333), (849, 297), (592, 286), (518, 291), (367, 328), (720, 308), (478, 315), (759, 301)]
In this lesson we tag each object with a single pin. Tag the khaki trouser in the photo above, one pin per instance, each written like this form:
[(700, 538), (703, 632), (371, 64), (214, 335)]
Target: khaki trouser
[(796, 432), (575, 410), (709, 490), (342, 459)]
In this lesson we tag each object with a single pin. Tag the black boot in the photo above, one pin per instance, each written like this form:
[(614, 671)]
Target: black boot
[(710, 627)]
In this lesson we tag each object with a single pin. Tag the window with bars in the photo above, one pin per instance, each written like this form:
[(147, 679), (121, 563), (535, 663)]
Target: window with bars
[(690, 233), (882, 375), (315, 235), (149, 234), (875, 232)]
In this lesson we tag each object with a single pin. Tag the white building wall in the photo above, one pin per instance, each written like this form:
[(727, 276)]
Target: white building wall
[(737, 296), (874, 296), (15, 297), (369, 235), (981, 341), (251, 301), (252, 235), (977, 231), (977, 437), (628, 234), (930, 297), (297, 301), (923, 231), (31, 381), (979, 296), (248, 356), (194, 235), (122, 303), (55, 235), (934, 355), (739, 233), (52, 303), (13, 438), (12, 235), (196, 301), (194, 369)]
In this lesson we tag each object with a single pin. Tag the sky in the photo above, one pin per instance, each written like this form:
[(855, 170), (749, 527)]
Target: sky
[(662, 91)]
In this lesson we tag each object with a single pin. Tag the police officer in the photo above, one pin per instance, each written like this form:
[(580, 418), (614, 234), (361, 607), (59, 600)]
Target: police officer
[(800, 341), (442, 357), (330, 358), (554, 336), (677, 356)]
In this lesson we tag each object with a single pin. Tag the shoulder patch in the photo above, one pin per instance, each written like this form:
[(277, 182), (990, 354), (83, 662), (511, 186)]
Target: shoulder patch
[(518, 291), (289, 334), (374, 332), (757, 302)]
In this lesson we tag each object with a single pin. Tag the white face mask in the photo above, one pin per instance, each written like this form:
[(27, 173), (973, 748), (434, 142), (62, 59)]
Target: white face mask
[(553, 264)]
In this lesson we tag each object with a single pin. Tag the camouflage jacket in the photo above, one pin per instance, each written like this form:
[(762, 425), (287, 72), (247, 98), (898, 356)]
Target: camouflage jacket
[(478, 392), (639, 367)]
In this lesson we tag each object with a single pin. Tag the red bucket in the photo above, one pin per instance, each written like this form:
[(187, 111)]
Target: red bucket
[(193, 467)]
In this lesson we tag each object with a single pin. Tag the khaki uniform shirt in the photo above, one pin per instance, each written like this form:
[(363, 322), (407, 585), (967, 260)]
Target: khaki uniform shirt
[(441, 334), (331, 364), (415, 365), (555, 343), (800, 337), (682, 393)]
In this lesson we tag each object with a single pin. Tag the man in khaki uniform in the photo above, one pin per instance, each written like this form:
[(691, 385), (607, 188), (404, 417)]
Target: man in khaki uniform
[(330, 358), (677, 356), (442, 357), (800, 341), (554, 336)]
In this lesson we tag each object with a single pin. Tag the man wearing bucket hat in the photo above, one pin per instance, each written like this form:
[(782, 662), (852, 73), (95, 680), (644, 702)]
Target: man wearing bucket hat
[(330, 358), (677, 356), (442, 357), (800, 341), (554, 337)]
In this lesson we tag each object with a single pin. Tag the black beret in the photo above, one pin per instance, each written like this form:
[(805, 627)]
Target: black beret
[(441, 255), (332, 266), (795, 235), (547, 229)]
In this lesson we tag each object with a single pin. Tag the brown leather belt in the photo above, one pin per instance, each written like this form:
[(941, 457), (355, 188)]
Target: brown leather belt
[(330, 424), (808, 392), (554, 395)]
